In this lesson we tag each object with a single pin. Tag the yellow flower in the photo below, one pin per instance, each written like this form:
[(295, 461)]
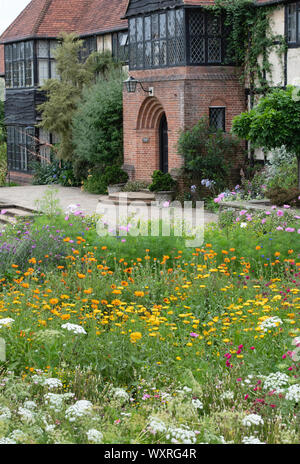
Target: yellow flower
[(134, 336)]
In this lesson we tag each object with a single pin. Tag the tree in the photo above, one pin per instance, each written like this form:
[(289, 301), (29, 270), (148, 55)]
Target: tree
[(98, 121), (274, 122), (64, 94)]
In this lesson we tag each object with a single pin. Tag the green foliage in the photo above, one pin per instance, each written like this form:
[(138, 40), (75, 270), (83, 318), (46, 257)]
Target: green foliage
[(274, 122), (162, 182), (207, 153), (64, 93), (2, 127), (284, 196), (98, 180), (56, 172), (98, 122), (135, 186), (250, 39)]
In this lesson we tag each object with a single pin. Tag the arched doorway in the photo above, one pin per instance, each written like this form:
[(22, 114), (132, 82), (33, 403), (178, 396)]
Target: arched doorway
[(163, 144)]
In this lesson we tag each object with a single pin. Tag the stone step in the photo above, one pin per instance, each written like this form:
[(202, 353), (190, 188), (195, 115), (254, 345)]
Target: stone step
[(11, 213), (122, 198)]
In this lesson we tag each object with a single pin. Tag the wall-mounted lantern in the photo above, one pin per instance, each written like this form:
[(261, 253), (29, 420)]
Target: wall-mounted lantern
[(131, 84)]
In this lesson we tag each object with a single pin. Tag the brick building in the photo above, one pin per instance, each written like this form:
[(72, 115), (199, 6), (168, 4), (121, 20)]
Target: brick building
[(177, 52)]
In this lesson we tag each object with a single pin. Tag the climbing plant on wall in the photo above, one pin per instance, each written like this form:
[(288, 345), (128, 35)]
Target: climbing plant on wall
[(251, 39)]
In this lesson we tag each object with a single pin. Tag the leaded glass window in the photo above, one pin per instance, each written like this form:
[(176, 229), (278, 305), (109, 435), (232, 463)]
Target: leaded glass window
[(207, 38), (19, 65), (45, 60), (20, 147), (293, 23), (88, 47), (217, 117), (157, 40), (120, 46)]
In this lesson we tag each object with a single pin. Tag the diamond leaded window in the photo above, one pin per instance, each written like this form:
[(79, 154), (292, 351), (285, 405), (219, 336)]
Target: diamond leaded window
[(217, 118), (120, 46), (176, 37)]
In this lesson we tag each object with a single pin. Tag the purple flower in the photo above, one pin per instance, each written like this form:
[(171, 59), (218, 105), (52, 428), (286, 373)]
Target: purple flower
[(290, 229)]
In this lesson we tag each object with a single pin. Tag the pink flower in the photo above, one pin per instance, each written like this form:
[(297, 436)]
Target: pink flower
[(117, 421), (194, 335), (280, 213), (3, 211), (252, 348), (279, 228), (246, 397), (239, 379), (268, 213), (263, 220), (286, 206), (290, 229), (242, 212)]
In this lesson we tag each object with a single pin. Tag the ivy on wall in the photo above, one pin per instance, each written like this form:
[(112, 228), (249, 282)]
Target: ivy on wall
[(251, 40)]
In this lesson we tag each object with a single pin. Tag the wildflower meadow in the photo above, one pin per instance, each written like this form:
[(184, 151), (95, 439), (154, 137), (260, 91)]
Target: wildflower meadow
[(141, 340)]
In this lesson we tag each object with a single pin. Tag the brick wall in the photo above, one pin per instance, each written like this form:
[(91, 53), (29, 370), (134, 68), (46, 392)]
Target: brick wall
[(185, 95)]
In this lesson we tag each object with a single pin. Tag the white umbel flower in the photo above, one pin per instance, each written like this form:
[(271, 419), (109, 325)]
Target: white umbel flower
[(75, 328), (293, 393), (252, 441), (6, 322), (30, 405), (120, 394), (52, 383), (27, 416), (252, 419), (94, 436), (276, 381), (79, 409), (5, 413), (156, 425), (228, 395), (7, 441), (197, 404)]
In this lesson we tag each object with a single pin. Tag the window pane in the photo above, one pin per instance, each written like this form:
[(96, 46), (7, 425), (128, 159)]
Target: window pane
[(14, 51), (140, 55), (132, 30), (155, 61), (21, 74), (217, 118), (29, 73), (214, 51), (148, 54), (21, 50), (155, 27), (54, 74), (15, 74), (28, 49), (139, 30), (53, 47), (163, 53), (213, 25), (292, 22), (171, 23), (162, 26), (8, 52), (299, 23), (43, 66), (147, 28)]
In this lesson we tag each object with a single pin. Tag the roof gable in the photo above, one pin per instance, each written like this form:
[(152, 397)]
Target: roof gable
[(48, 18)]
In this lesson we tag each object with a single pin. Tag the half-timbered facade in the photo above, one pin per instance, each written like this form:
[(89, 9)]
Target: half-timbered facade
[(28, 47)]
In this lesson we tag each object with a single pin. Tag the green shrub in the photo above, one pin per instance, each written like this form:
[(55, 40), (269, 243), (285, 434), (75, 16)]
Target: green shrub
[(56, 172), (162, 182), (98, 122), (3, 159), (135, 186), (207, 153), (280, 196), (115, 175)]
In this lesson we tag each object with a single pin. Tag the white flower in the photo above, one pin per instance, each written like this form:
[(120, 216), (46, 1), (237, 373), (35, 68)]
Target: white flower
[(121, 394), (26, 415), (252, 441), (55, 401), (7, 441), (30, 405), (18, 435), (252, 419), (156, 425), (76, 329), (243, 225), (293, 393), (94, 436), (183, 434), (79, 409), (6, 322), (5, 413), (52, 383), (276, 381), (228, 395), (197, 404), (270, 323)]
